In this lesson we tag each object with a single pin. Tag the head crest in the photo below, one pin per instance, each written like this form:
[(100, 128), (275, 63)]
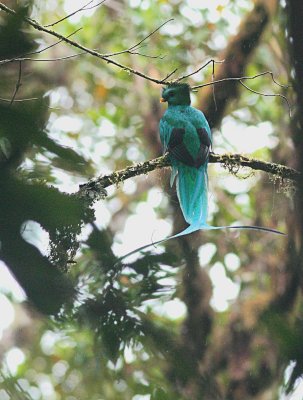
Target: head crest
[(178, 85), (176, 94)]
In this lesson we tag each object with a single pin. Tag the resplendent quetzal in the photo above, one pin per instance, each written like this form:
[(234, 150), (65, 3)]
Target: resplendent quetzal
[(186, 136)]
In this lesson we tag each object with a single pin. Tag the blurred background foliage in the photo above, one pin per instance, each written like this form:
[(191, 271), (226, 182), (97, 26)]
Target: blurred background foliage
[(216, 315)]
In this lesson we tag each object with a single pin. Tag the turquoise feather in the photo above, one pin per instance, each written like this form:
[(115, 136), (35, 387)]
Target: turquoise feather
[(185, 134), (191, 178), (191, 182)]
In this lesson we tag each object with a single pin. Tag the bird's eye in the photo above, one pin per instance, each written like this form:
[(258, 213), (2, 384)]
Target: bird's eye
[(171, 94)]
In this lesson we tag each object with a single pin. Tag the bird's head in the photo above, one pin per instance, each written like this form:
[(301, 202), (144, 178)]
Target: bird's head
[(176, 94)]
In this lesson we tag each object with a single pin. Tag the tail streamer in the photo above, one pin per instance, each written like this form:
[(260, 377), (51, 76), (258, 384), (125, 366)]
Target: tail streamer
[(192, 191)]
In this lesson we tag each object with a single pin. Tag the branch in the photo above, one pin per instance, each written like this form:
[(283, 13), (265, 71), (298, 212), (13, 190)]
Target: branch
[(18, 84), (269, 95), (104, 57), (84, 8), (42, 59), (134, 50), (25, 57), (137, 45), (18, 100), (242, 78), (212, 61), (239, 78), (95, 187)]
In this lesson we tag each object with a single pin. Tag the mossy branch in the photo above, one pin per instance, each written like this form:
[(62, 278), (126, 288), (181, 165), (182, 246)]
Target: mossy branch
[(94, 188)]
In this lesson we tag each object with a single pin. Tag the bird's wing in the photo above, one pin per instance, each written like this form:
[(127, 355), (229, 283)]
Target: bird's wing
[(177, 148), (200, 121), (204, 149), (186, 137), (165, 132)]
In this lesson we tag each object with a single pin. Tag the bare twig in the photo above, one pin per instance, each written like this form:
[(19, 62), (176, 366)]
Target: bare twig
[(18, 100), (170, 74), (269, 95), (107, 58), (242, 78), (149, 35), (147, 55), (24, 57), (94, 53), (95, 187), (213, 87), (212, 61), (137, 46), (85, 7), (51, 45), (18, 84), (43, 59)]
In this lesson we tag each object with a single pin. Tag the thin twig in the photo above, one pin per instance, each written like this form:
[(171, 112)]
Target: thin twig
[(269, 95), (18, 84), (43, 59), (213, 87), (149, 35), (106, 58), (240, 80), (57, 58), (51, 45), (19, 100), (75, 12), (170, 74), (138, 45), (24, 57), (95, 187), (198, 70), (147, 55), (94, 53), (94, 6), (273, 79)]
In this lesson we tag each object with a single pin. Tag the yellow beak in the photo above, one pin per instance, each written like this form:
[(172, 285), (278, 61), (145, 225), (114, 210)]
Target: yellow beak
[(162, 100)]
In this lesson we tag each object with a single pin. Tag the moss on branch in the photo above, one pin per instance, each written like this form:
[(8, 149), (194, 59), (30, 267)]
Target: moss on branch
[(95, 188)]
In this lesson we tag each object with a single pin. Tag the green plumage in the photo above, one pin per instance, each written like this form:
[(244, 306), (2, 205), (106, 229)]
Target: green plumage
[(186, 136), (192, 125)]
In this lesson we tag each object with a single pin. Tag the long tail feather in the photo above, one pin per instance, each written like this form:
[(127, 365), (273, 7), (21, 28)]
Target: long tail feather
[(192, 191), (192, 229)]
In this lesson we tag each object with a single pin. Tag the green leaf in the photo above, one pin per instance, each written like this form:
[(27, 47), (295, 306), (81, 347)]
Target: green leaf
[(67, 159)]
